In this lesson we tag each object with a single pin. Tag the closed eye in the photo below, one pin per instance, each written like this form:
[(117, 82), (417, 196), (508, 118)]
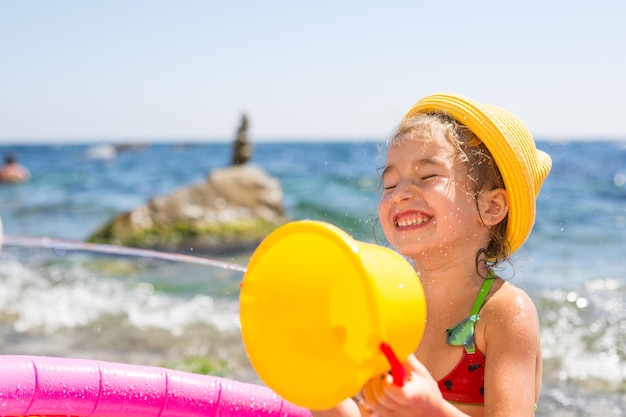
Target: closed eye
[(388, 179)]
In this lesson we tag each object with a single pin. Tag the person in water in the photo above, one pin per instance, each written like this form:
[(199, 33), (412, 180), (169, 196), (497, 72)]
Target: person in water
[(12, 171), (459, 189)]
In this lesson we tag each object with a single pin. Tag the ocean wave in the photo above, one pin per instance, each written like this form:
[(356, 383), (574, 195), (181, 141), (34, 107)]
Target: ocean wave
[(584, 334)]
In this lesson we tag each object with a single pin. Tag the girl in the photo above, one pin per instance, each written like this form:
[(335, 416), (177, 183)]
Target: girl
[(460, 183)]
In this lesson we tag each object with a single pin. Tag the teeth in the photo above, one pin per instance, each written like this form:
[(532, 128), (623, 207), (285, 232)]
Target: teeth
[(411, 220)]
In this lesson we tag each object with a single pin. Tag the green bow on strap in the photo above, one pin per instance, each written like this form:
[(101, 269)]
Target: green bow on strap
[(463, 334)]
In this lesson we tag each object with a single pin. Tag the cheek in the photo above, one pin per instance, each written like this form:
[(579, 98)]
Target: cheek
[(383, 209), (384, 217)]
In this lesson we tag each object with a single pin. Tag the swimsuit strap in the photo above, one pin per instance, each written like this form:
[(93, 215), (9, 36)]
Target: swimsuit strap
[(463, 333), (482, 294)]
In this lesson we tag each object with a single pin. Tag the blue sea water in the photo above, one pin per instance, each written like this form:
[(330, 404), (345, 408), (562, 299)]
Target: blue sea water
[(142, 310)]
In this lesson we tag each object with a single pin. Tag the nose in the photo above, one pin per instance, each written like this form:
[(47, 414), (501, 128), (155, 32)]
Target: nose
[(403, 191)]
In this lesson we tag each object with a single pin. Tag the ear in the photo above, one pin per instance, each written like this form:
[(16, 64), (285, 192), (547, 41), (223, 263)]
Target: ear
[(494, 206)]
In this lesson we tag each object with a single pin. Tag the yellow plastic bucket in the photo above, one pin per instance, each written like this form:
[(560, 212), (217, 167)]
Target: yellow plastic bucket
[(315, 307)]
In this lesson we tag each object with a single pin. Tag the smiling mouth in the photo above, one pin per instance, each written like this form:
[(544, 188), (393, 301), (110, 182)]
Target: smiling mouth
[(412, 219)]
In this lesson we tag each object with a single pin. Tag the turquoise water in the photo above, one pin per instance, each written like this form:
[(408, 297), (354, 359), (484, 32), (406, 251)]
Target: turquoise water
[(141, 310)]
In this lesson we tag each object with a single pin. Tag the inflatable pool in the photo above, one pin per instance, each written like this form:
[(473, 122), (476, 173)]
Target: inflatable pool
[(46, 386)]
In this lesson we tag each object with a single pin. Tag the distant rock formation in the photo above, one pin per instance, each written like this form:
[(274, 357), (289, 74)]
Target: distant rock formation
[(232, 210), (242, 148)]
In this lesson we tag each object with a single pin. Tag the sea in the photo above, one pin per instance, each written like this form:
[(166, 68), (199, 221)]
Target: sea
[(143, 308)]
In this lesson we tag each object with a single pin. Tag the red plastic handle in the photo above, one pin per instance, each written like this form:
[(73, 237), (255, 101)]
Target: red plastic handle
[(397, 371)]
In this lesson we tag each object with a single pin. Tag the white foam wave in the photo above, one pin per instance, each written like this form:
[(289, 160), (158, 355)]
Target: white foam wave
[(583, 333), (76, 298)]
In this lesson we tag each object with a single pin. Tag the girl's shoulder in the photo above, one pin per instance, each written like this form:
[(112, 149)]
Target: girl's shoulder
[(511, 310), (506, 298), (508, 322)]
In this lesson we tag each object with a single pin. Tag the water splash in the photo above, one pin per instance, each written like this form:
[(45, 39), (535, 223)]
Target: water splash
[(65, 245)]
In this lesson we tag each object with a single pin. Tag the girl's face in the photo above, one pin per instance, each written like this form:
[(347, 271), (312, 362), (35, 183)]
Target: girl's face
[(426, 209)]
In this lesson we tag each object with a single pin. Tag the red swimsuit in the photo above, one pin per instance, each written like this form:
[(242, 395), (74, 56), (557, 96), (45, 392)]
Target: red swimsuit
[(465, 383)]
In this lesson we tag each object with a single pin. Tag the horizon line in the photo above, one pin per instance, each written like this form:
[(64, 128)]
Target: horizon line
[(267, 140)]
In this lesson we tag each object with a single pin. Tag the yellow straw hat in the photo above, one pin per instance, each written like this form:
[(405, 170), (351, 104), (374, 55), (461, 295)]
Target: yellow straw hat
[(522, 165)]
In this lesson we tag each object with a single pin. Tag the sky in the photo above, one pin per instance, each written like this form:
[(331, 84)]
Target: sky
[(152, 70)]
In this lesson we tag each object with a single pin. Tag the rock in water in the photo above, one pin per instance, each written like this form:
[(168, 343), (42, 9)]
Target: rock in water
[(233, 210)]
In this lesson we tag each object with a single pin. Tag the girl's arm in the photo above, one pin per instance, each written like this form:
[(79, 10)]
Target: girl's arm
[(512, 357)]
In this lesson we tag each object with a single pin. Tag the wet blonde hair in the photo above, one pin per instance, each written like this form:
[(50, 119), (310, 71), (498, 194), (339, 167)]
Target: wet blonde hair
[(482, 171)]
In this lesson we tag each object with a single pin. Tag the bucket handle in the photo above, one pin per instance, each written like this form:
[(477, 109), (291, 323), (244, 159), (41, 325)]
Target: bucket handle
[(397, 371)]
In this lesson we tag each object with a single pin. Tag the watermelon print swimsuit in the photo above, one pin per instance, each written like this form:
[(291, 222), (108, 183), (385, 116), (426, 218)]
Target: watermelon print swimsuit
[(465, 383)]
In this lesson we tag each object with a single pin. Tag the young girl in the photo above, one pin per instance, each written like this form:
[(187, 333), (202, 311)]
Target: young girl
[(460, 184)]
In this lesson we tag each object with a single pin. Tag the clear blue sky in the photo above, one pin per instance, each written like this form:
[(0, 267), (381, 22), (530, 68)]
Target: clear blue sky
[(187, 69)]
